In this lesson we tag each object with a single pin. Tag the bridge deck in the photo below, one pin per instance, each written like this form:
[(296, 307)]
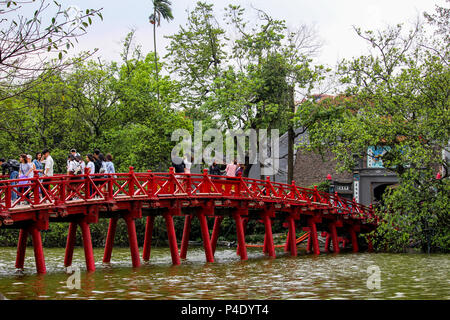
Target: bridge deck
[(30, 205)]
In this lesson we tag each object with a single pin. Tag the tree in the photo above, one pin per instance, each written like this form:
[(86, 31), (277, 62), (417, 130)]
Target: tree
[(161, 8), (396, 98), (27, 43), (92, 96), (248, 86), (196, 54)]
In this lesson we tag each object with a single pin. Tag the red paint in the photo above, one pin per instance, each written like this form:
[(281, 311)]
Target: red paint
[(87, 245), (185, 239), (313, 235), (334, 237), (354, 239), (172, 239), (21, 248), (268, 236), (244, 223), (308, 245), (132, 240), (205, 236), (286, 245), (38, 250), (292, 236), (163, 191), (369, 244), (240, 236), (215, 232), (110, 240), (148, 238), (70, 244), (327, 243)]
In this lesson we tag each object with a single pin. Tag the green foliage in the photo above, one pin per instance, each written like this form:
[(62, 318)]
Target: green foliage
[(397, 98), (323, 186), (416, 214)]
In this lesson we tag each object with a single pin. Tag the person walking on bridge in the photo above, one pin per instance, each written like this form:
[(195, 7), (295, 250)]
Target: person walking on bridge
[(48, 168), (25, 171), (109, 165), (90, 170), (230, 172)]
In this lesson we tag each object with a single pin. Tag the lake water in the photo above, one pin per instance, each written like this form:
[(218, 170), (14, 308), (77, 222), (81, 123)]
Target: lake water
[(328, 276)]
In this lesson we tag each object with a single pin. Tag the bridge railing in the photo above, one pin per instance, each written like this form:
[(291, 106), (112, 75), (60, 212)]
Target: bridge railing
[(66, 189)]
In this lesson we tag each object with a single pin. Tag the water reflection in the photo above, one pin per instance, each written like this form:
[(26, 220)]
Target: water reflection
[(328, 276)]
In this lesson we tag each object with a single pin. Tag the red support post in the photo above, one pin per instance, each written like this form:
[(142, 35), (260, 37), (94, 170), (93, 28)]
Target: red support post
[(148, 238), (244, 224), (70, 244), (87, 245), (205, 236), (150, 184), (21, 248), (240, 236), (334, 237), (38, 250), (268, 235), (287, 244), (265, 249), (313, 235), (171, 177), (8, 193), (327, 242), (35, 186), (292, 236), (185, 239), (369, 244), (354, 239), (172, 239), (132, 240), (308, 244), (110, 240), (131, 182), (215, 232)]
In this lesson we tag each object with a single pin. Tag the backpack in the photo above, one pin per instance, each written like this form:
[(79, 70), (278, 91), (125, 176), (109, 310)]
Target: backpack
[(13, 164)]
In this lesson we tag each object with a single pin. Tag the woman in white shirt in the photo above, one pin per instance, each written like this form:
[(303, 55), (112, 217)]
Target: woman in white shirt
[(90, 164)]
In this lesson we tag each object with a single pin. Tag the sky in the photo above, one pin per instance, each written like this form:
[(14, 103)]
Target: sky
[(333, 20)]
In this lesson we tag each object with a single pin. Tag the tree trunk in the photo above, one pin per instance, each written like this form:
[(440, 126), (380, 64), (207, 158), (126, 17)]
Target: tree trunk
[(291, 139), (156, 59)]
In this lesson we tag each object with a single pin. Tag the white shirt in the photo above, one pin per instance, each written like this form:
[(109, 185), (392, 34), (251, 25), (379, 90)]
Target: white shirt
[(49, 166), (83, 166), (73, 165), (188, 165), (90, 165)]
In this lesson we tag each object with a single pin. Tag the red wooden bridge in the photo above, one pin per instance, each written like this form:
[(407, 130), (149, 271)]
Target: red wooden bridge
[(30, 205)]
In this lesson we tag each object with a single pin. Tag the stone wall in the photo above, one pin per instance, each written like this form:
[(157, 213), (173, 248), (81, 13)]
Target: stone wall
[(311, 168)]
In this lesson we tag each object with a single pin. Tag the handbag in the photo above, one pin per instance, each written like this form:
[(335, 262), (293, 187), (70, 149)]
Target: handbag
[(22, 176)]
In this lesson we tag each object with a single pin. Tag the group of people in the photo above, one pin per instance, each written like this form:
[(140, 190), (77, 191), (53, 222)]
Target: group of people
[(95, 163), (43, 165), (233, 169)]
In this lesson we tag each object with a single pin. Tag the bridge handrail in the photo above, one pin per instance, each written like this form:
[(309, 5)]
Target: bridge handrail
[(62, 188)]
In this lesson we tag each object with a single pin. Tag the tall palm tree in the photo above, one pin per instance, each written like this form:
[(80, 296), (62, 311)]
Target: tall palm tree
[(161, 8)]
